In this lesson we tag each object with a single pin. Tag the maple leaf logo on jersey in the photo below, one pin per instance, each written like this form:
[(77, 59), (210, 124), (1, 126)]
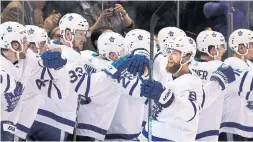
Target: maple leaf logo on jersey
[(9, 29), (171, 33), (140, 37), (240, 33), (13, 97), (31, 31), (250, 105), (70, 18), (111, 39)]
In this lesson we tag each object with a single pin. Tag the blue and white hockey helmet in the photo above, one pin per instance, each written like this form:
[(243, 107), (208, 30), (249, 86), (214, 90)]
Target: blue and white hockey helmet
[(185, 45), (12, 31), (72, 22), (167, 35), (238, 37), (111, 45), (138, 42), (210, 38)]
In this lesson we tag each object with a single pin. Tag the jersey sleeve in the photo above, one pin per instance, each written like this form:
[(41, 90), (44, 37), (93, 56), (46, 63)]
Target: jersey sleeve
[(90, 85), (54, 83), (185, 108), (8, 83), (211, 91), (245, 81)]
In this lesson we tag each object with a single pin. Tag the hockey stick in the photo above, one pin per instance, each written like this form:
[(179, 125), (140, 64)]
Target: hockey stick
[(77, 114), (155, 17)]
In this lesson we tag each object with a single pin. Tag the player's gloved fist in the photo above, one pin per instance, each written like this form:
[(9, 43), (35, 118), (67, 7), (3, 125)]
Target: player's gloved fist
[(223, 75), (137, 64), (53, 59), (116, 67), (152, 89)]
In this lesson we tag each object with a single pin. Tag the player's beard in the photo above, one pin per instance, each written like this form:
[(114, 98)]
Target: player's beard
[(78, 46), (173, 69)]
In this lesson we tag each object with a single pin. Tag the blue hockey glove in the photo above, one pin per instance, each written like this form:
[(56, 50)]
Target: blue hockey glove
[(152, 89), (223, 75), (137, 64), (117, 67), (52, 59)]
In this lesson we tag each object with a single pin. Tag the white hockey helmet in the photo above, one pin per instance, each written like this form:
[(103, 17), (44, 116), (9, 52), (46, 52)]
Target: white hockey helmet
[(210, 38), (37, 35), (138, 42), (111, 43), (186, 46), (73, 22), (166, 34), (12, 31), (240, 36)]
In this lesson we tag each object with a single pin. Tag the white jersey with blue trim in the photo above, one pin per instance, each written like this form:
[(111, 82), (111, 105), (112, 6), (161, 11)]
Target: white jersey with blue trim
[(209, 131), (238, 103), (97, 97), (176, 115), (38, 82), (128, 119), (11, 91)]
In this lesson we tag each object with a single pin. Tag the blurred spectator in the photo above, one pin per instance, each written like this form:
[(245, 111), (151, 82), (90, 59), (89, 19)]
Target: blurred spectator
[(216, 13), (192, 18), (114, 16), (31, 10), (145, 9), (55, 34)]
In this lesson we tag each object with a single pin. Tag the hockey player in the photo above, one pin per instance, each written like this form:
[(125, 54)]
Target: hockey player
[(128, 118), (11, 90), (50, 112), (37, 38), (210, 44), (14, 48), (111, 47), (184, 92), (237, 124)]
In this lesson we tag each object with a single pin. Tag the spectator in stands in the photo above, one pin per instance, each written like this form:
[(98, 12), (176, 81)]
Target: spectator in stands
[(32, 14), (116, 17), (55, 34), (216, 13)]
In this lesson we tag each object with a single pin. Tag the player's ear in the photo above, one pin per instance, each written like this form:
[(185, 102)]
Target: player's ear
[(213, 51), (186, 58), (242, 49)]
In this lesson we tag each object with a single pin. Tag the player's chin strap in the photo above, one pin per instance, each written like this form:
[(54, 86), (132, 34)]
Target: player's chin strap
[(181, 65)]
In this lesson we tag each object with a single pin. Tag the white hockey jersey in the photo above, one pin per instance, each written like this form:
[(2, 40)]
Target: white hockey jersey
[(11, 92), (238, 106), (37, 78), (177, 118), (128, 119), (213, 113)]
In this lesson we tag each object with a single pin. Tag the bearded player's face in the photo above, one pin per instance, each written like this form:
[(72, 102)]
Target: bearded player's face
[(173, 64)]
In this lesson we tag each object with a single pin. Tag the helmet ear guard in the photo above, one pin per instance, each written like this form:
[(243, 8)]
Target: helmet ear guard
[(206, 39), (111, 44), (73, 22), (240, 37)]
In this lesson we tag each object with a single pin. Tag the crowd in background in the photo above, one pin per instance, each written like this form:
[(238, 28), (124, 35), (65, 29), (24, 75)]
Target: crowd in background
[(122, 16)]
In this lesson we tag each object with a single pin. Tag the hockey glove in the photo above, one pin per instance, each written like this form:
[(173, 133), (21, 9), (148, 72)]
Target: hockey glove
[(137, 64), (152, 89), (223, 75), (116, 67), (53, 59)]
